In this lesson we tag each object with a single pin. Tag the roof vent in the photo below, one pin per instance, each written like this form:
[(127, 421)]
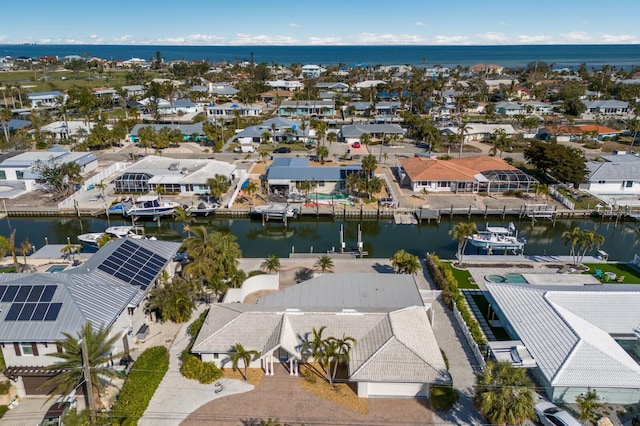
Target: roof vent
[(173, 167)]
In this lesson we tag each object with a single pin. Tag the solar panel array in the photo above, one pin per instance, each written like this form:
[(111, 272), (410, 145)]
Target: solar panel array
[(30, 302), (133, 264)]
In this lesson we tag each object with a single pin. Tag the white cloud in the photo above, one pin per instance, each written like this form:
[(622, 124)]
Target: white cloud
[(3, 38), (419, 24), (576, 37), (536, 39), (294, 25), (451, 40), (493, 38), (192, 39), (262, 39), (320, 41), (125, 39), (620, 39), (370, 38)]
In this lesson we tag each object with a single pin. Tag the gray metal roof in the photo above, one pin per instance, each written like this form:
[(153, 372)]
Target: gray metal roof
[(615, 168), (350, 290), (296, 174), (86, 294), (567, 331), (357, 130)]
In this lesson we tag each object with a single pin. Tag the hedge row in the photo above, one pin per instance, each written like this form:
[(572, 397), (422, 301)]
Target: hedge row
[(444, 280), (141, 383), (191, 366)]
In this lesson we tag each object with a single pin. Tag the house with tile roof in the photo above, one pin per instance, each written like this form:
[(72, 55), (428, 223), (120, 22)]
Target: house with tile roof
[(593, 131), (466, 174), (108, 289), (581, 337), (395, 354), (617, 175)]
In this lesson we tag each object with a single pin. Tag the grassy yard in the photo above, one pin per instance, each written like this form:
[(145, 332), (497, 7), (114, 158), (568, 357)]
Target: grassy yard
[(488, 314), (631, 275), (465, 281)]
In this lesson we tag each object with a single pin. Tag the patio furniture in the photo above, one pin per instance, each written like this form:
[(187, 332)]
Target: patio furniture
[(598, 273), (620, 279), (610, 276)]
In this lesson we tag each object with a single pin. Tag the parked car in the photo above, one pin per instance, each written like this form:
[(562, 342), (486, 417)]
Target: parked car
[(386, 202), (282, 150), (551, 415), (355, 145)]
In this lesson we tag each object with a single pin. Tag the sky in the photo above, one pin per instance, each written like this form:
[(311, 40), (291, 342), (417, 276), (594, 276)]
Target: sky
[(326, 22)]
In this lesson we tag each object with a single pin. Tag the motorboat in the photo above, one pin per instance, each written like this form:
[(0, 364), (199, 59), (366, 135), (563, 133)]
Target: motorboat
[(276, 210), (202, 208), (498, 238), (92, 239), (151, 206)]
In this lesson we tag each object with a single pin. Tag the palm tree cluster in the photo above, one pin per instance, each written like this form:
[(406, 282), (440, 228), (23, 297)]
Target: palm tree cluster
[(504, 394), (581, 242), (8, 245), (59, 179), (173, 300), (461, 232), (405, 263), (365, 182), (213, 259), (328, 352)]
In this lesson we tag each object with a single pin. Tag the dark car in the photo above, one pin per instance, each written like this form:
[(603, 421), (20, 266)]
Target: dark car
[(54, 414), (282, 150)]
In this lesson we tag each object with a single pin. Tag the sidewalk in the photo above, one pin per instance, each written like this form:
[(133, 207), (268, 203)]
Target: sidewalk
[(177, 397)]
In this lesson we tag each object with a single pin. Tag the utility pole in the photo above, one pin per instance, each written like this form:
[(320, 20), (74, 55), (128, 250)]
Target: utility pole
[(86, 369)]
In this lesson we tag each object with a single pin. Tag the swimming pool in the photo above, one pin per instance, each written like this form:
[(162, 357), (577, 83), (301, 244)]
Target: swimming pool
[(510, 278), (56, 268)]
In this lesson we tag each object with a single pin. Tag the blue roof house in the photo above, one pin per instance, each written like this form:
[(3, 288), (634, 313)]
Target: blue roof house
[(285, 174)]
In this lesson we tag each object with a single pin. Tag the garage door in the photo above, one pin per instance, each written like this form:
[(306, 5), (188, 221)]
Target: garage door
[(32, 383), (397, 389)]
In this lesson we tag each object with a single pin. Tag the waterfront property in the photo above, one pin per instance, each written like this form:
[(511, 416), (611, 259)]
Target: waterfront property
[(467, 174), (285, 175), (479, 131), (108, 289), (581, 337), (395, 354), (567, 133), (616, 175), (352, 132), (307, 108), (187, 129), (279, 130), (177, 176)]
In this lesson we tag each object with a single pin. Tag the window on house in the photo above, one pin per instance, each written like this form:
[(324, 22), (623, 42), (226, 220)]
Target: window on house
[(27, 349), (3, 175), (131, 310), (629, 184), (216, 356)]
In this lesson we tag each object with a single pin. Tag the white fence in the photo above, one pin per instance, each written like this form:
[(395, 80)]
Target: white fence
[(252, 284), (564, 200), (114, 168), (242, 176), (467, 335)]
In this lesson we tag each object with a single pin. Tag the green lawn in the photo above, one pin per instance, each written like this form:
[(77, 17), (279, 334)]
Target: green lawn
[(463, 276), (488, 314), (631, 275)]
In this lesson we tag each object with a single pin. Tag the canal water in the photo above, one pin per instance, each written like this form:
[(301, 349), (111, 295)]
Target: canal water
[(381, 238)]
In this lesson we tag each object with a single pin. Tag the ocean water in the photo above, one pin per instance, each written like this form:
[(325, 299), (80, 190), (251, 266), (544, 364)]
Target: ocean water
[(508, 56)]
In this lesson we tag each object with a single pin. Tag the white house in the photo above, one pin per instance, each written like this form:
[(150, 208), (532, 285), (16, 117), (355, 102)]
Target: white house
[(580, 337), (479, 131), (307, 108), (292, 85), (312, 70), (351, 132), (46, 100), (62, 130), (109, 289), (608, 107), (616, 175), (229, 110), (395, 354)]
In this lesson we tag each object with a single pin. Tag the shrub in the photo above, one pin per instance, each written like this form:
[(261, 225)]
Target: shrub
[(4, 387), (444, 357), (193, 368), (143, 380), (443, 397), (194, 327)]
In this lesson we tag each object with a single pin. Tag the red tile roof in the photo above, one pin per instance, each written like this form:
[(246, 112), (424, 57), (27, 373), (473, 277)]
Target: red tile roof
[(455, 169)]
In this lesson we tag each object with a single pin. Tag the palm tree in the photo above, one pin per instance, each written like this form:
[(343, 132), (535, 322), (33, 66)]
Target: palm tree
[(405, 263), (5, 117), (250, 189), (587, 241), (69, 372), (341, 349), (24, 249), (241, 354), (315, 345), (271, 264), (102, 187), (504, 394), (463, 131), (461, 232), (332, 137), (572, 238), (322, 152), (184, 216), (324, 263), (218, 185), (264, 136), (365, 138)]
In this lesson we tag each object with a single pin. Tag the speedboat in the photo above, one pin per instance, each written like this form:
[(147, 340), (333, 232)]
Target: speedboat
[(276, 210), (151, 206), (92, 239), (202, 209), (498, 238)]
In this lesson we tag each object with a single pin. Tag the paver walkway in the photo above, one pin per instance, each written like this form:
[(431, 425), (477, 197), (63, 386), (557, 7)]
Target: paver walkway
[(281, 397)]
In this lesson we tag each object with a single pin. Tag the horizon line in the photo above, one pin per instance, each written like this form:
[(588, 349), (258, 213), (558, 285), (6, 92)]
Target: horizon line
[(321, 45)]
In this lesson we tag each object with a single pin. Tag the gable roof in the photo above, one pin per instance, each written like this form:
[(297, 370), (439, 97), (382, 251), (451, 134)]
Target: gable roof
[(568, 331), (614, 168)]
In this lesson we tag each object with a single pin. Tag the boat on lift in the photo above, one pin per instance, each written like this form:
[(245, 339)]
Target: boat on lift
[(498, 238), (92, 239), (151, 206), (202, 208)]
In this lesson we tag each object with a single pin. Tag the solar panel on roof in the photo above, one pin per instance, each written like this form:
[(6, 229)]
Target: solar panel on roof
[(27, 311), (10, 294), (40, 311), (52, 313), (47, 294), (3, 288), (35, 294), (14, 311), (22, 294), (133, 264)]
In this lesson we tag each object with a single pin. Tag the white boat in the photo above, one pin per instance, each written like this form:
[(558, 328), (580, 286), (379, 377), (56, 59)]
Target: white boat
[(92, 239), (276, 210), (151, 206), (203, 209), (498, 238)]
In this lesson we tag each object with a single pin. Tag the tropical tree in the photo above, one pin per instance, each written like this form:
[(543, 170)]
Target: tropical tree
[(69, 372), (216, 254), (572, 238), (405, 263), (332, 137), (461, 233), (365, 138), (271, 264), (340, 348), (322, 152), (504, 394), (183, 216), (25, 248), (591, 406), (587, 240), (316, 344), (463, 131), (540, 189), (218, 185), (501, 142), (102, 187), (5, 117), (324, 263), (173, 300), (241, 354)]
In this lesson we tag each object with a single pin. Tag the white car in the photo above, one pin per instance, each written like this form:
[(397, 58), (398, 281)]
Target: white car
[(550, 415)]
